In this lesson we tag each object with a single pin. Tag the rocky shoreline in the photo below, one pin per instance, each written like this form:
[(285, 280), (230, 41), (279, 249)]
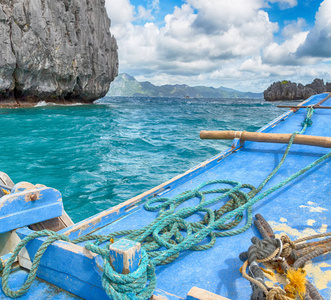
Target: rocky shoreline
[(28, 104), (287, 90)]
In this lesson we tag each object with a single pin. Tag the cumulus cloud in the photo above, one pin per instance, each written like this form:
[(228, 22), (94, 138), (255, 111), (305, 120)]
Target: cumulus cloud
[(302, 47), (285, 53), (197, 37), (120, 11), (293, 28), (303, 74), (256, 65), (216, 16), (318, 41)]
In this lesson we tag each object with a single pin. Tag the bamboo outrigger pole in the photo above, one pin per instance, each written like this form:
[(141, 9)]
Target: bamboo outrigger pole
[(317, 105), (311, 140)]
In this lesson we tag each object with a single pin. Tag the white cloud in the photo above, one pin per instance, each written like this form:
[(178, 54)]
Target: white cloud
[(144, 14), (155, 5), (293, 28), (256, 65), (285, 54), (137, 46), (318, 41), (216, 16), (120, 12), (285, 4)]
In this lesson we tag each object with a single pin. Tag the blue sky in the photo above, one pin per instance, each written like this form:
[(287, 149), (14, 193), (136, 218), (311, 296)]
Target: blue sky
[(241, 44)]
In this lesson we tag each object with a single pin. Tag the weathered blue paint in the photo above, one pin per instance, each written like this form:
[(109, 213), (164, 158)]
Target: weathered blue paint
[(24, 207), (63, 265), (39, 289), (302, 205), (125, 256)]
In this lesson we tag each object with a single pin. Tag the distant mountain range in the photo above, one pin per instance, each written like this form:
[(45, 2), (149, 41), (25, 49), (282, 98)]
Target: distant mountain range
[(125, 85)]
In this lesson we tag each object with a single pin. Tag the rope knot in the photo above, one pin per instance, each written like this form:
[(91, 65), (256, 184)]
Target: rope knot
[(276, 294), (262, 250), (308, 122), (288, 246)]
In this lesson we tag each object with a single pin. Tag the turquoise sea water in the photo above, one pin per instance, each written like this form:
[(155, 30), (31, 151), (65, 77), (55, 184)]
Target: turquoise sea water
[(100, 155)]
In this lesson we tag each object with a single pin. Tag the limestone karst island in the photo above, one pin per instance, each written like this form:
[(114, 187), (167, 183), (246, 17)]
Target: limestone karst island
[(287, 90), (60, 51)]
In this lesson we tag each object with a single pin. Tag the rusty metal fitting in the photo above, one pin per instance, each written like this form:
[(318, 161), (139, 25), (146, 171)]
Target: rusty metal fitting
[(33, 197)]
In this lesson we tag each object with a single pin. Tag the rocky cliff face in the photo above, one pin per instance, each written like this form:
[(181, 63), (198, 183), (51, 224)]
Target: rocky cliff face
[(287, 90), (55, 50)]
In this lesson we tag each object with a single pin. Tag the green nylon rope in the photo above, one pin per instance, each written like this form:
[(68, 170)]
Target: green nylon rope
[(163, 239)]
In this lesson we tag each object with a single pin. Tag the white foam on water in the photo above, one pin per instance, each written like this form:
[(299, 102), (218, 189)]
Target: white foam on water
[(44, 103)]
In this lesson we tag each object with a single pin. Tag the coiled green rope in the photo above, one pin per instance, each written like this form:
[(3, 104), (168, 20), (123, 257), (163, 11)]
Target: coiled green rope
[(165, 231)]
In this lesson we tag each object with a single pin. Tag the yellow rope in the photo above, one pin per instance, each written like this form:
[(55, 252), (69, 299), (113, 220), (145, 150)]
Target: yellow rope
[(297, 285), (268, 272), (5, 191)]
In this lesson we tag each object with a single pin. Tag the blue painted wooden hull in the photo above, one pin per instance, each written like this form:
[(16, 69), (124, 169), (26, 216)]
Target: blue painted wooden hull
[(299, 209)]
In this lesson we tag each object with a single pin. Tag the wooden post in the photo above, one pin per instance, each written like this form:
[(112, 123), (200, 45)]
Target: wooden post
[(319, 141), (125, 256)]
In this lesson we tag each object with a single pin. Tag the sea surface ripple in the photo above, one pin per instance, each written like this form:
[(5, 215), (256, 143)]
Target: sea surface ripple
[(100, 155)]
